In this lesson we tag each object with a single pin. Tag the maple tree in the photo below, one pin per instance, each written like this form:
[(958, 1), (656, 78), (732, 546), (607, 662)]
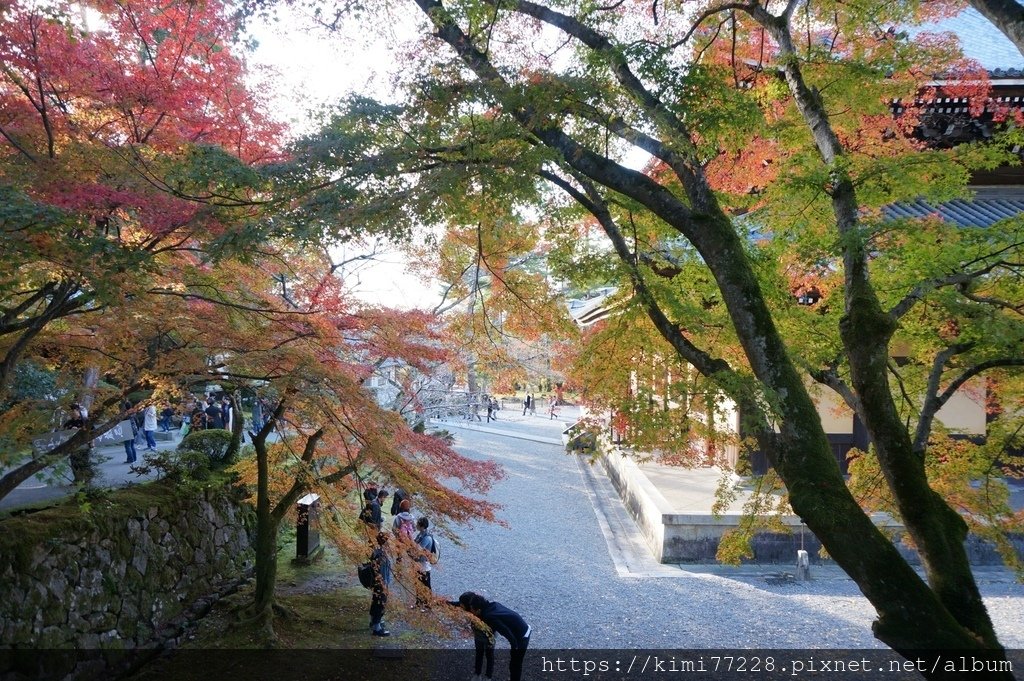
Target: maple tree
[(495, 299), (159, 238), (327, 431), (716, 94), (497, 304), (130, 149)]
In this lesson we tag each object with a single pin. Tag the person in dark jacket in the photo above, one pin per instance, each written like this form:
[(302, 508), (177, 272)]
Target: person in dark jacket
[(372, 513), (166, 418), (502, 621), (396, 500), (382, 580), (131, 455), (214, 420)]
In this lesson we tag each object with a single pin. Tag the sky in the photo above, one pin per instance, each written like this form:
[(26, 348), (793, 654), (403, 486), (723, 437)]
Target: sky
[(314, 69)]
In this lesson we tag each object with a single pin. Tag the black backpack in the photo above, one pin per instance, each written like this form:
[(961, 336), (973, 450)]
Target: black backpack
[(366, 576), (366, 515)]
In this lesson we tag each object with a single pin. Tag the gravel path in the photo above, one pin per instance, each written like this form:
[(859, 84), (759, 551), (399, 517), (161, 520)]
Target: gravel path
[(554, 565)]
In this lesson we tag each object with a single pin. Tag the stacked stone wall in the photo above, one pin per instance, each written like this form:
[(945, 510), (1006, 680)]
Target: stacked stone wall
[(119, 572)]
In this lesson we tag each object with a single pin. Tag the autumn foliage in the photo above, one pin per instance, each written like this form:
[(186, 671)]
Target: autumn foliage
[(155, 238)]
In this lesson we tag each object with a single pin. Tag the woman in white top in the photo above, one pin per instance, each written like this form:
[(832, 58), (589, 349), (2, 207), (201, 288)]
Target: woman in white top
[(149, 427)]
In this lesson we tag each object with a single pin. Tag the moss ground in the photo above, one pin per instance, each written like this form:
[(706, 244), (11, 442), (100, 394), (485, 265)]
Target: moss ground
[(327, 621)]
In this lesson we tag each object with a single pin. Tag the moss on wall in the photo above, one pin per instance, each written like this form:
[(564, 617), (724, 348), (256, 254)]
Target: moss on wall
[(113, 571)]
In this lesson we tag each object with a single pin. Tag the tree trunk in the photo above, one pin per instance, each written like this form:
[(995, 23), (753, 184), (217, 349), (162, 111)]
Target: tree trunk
[(937, 530), (237, 428), (267, 528), (10, 481)]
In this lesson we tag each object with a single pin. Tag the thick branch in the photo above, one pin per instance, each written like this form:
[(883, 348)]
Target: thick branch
[(960, 279), (300, 484), (10, 480)]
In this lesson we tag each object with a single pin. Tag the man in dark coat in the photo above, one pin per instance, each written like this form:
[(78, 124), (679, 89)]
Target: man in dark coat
[(381, 582), (214, 419), (502, 621)]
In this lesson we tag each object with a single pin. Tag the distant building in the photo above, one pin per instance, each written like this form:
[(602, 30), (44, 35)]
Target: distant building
[(592, 306)]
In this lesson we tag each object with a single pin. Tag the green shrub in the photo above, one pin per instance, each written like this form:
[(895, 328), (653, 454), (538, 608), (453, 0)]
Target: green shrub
[(213, 443), (181, 465), (196, 465), (444, 436)]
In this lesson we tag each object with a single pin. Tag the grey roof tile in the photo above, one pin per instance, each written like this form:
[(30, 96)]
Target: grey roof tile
[(975, 213), (982, 41)]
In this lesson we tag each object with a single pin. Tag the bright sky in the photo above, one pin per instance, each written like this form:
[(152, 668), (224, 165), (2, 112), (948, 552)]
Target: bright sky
[(315, 70)]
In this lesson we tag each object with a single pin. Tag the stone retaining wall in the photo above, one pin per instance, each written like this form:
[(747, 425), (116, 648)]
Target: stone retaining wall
[(116, 573), (694, 538)]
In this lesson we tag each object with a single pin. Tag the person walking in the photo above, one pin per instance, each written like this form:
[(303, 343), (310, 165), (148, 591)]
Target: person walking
[(504, 621), (428, 554), (214, 417), (149, 427), (166, 415), (381, 582), (526, 404), (131, 454)]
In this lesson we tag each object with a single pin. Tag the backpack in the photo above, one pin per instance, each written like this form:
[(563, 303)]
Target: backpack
[(366, 515), (407, 529), (366, 576), (435, 550)]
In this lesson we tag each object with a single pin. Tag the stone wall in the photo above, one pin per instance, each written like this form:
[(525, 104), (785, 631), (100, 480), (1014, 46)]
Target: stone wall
[(117, 572), (694, 538)]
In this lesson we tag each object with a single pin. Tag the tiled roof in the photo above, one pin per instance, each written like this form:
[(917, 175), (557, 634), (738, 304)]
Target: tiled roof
[(982, 211), (1006, 73), (981, 41)]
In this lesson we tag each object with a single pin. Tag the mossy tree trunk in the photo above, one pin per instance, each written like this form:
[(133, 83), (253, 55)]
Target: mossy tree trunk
[(866, 331), (237, 427), (269, 515)]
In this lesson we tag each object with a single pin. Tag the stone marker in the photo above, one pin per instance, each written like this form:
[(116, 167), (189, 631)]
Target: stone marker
[(307, 532)]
